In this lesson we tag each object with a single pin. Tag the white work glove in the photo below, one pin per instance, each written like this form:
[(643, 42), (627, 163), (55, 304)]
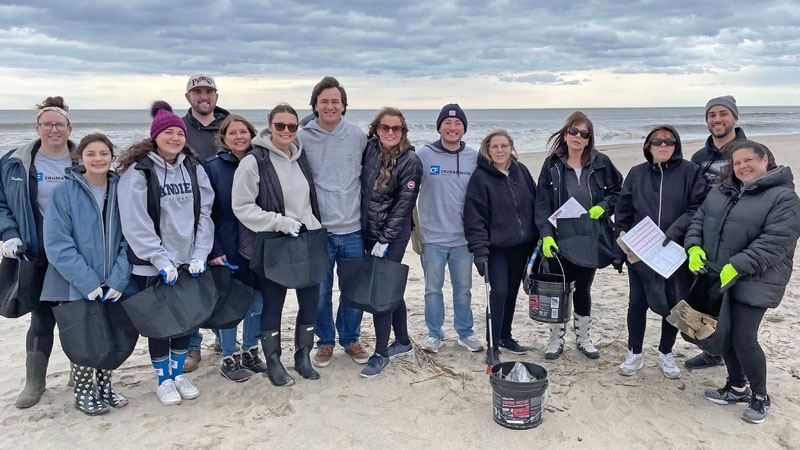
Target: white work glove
[(170, 274), (197, 266), (10, 248), (95, 294), (294, 228), (379, 250), (112, 295)]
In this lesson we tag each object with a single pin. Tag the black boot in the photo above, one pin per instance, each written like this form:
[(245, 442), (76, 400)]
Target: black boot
[(492, 356), (252, 362), (71, 381), (232, 368), (271, 344), (86, 399), (35, 372), (303, 341), (106, 392)]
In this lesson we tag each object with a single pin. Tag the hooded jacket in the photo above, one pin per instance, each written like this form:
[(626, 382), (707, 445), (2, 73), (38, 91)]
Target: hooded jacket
[(710, 159), (200, 138), (386, 211), (335, 160), (754, 227), (220, 170), (83, 241), (178, 242), (18, 191), (669, 193), (499, 209)]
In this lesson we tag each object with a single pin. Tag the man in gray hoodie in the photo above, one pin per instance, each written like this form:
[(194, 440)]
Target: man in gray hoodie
[(334, 147), (447, 167)]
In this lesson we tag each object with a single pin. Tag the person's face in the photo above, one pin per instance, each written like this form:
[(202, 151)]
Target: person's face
[(577, 143), (96, 158), (237, 139), (452, 130), (282, 138), (662, 153), (747, 166), (202, 99), (720, 121), (500, 151), (329, 106), (170, 142), (390, 131), (53, 129)]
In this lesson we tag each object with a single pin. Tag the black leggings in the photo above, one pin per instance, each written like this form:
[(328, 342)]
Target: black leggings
[(506, 268), (274, 297), (676, 288), (159, 348), (397, 319), (40, 331), (745, 356), (583, 278)]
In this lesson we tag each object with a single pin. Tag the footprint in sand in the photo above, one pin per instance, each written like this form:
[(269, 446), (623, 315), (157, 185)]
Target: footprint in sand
[(600, 403)]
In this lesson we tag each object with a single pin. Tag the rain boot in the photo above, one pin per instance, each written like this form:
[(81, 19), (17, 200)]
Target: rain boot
[(303, 341), (583, 341), (106, 392), (555, 346), (272, 350), (86, 399), (35, 372)]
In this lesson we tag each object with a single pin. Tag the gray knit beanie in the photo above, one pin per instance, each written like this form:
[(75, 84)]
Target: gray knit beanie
[(727, 101)]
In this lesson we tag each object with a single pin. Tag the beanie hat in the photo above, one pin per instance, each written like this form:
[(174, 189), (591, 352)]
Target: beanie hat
[(727, 101), (164, 118), (451, 110)]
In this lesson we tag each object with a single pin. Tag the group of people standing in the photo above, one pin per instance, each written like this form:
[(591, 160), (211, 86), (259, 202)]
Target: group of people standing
[(206, 188)]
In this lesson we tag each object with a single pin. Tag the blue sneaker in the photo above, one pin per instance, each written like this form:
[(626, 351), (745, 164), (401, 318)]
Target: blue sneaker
[(375, 366), (397, 349)]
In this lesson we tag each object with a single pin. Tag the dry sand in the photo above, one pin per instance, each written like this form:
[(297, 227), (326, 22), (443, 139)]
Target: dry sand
[(422, 401)]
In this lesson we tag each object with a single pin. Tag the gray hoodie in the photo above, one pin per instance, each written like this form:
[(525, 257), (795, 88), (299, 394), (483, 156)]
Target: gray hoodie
[(295, 188), (335, 159), (445, 176), (177, 245)]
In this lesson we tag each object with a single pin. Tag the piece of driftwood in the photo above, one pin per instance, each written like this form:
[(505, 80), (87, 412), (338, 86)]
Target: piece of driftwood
[(632, 258), (691, 322)]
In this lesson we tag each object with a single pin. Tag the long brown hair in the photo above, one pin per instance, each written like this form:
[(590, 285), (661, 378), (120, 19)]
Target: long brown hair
[(558, 145), (142, 148), (733, 146), (388, 156)]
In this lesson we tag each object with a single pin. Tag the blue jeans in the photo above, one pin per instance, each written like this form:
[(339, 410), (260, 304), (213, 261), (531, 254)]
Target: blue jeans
[(250, 329), (196, 339), (434, 258), (348, 320)]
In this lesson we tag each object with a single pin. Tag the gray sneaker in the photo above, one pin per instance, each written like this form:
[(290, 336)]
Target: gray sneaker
[(397, 349), (471, 343), (432, 344), (756, 411), (726, 395), (375, 366)]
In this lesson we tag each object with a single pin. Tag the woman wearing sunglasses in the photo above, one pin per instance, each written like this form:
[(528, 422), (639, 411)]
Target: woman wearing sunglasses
[(273, 190), (668, 189), (575, 169)]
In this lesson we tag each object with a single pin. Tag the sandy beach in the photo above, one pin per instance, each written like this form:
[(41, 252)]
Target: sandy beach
[(432, 401)]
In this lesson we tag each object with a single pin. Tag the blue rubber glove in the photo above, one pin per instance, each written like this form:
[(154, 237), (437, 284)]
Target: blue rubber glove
[(170, 274), (294, 228), (596, 211), (379, 250), (197, 266), (232, 267), (112, 295), (94, 295), (10, 248)]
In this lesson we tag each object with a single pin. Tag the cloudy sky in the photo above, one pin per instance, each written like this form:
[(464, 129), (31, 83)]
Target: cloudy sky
[(411, 54)]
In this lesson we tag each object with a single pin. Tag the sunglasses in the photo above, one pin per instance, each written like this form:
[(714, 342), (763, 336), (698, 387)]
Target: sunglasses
[(574, 131), (280, 126), (658, 141), (397, 129)]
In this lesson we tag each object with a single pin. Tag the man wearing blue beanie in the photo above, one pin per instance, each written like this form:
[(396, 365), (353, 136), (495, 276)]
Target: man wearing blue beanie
[(447, 166)]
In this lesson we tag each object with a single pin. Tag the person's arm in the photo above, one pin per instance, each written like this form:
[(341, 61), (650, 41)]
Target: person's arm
[(609, 201), (8, 224), (544, 202), (696, 194), (623, 214), (120, 273), (137, 226), (204, 237), (477, 205), (694, 234), (243, 200), (400, 213)]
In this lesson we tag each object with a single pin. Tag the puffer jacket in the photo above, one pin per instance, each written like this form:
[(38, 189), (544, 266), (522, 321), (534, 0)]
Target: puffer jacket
[(386, 211), (754, 228), (499, 209), (669, 193), (220, 170), (711, 160), (83, 241)]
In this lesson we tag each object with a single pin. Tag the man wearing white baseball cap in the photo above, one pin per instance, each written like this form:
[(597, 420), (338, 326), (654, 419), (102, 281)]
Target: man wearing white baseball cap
[(204, 116)]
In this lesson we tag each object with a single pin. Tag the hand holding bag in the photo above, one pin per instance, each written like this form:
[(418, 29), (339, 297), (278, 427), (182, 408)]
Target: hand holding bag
[(20, 286), (372, 284), (234, 301), (293, 262)]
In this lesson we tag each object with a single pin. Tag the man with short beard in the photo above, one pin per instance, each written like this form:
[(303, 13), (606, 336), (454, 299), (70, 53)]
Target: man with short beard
[(204, 116)]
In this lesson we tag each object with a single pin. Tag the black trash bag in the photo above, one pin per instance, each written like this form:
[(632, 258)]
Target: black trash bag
[(94, 333), (654, 287), (705, 296), (372, 284), (20, 286), (292, 262), (234, 300), (161, 311), (586, 242)]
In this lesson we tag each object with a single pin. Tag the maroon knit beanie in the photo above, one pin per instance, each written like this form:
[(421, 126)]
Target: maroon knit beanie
[(163, 118)]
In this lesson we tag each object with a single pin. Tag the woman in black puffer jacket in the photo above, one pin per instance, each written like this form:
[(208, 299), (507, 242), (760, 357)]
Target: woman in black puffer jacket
[(745, 233), (390, 176), (501, 232)]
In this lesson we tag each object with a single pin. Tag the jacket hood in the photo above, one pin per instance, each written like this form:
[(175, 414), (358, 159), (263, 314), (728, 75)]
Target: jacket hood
[(25, 153), (710, 141), (486, 165), (439, 148), (72, 173), (264, 139), (315, 128), (677, 155), (779, 176)]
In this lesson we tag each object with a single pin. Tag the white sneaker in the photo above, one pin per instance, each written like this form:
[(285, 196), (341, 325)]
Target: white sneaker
[(471, 343), (432, 344), (167, 394), (632, 363), (186, 388), (667, 365)]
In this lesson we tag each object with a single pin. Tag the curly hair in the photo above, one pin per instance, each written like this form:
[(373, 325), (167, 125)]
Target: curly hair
[(142, 148), (388, 156)]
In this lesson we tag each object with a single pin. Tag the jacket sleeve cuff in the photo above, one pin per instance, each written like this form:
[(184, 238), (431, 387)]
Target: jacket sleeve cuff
[(482, 251), (10, 233), (160, 262)]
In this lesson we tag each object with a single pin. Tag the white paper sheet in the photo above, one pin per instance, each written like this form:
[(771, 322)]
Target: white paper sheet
[(569, 210), (645, 241)]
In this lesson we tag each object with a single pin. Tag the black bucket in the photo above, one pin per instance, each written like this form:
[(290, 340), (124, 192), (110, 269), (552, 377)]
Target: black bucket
[(516, 405), (551, 297)]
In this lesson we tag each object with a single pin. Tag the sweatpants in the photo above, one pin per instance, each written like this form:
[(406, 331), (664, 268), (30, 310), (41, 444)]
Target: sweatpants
[(745, 356), (676, 288), (40, 331), (506, 268), (397, 319)]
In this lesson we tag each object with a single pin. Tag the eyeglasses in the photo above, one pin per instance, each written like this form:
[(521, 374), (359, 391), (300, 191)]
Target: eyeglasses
[(397, 129), (60, 126), (658, 141), (280, 126), (574, 131)]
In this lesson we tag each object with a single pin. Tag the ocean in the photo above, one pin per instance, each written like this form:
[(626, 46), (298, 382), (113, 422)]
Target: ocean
[(530, 128)]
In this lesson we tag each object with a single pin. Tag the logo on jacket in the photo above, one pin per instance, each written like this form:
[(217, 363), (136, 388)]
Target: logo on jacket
[(411, 185), (435, 170)]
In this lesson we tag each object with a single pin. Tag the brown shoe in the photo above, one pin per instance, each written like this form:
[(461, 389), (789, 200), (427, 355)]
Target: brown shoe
[(323, 356), (357, 352), (192, 360)]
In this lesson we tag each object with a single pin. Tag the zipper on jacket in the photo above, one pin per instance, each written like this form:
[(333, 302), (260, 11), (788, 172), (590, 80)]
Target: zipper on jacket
[(102, 225), (516, 205), (589, 185), (660, 193), (558, 171)]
